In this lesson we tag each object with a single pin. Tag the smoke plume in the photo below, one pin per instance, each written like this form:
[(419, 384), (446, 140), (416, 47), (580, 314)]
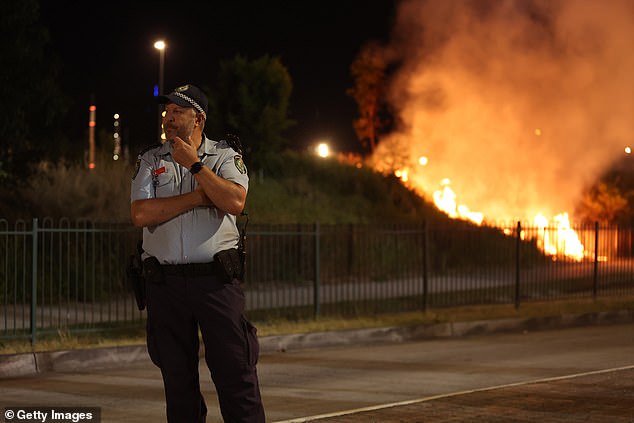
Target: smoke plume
[(520, 103)]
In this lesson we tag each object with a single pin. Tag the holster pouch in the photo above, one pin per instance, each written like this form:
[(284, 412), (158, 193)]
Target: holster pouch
[(153, 271), (134, 272), (228, 265)]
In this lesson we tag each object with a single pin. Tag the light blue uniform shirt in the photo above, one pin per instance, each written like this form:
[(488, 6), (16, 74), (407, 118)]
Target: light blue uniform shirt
[(196, 235)]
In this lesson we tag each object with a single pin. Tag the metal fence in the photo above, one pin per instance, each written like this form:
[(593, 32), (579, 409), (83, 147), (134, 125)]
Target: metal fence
[(70, 276)]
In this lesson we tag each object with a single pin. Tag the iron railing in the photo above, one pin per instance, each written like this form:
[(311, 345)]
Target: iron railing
[(63, 275)]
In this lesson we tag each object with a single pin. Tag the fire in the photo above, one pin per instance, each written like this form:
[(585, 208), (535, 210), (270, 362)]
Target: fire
[(511, 122), (559, 238), (555, 238), (403, 175), (445, 200)]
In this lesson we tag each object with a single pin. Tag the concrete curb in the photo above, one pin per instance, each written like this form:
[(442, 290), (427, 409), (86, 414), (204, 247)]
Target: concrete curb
[(25, 364), (270, 344)]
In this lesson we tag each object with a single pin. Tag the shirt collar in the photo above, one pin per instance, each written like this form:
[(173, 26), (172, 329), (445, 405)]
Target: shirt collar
[(208, 147)]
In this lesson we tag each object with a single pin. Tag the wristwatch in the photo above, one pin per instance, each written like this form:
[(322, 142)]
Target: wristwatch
[(196, 167)]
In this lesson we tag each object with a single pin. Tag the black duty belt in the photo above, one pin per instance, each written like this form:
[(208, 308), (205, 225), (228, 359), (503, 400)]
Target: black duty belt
[(190, 269)]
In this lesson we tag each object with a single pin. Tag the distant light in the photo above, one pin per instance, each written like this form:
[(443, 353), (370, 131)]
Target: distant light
[(92, 108), (156, 91), (628, 150), (538, 132), (422, 160), (323, 150), (115, 135), (115, 157), (445, 181), (116, 115), (159, 45), (91, 166), (92, 124)]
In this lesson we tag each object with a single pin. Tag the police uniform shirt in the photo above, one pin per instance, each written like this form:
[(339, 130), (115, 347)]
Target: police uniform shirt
[(196, 235)]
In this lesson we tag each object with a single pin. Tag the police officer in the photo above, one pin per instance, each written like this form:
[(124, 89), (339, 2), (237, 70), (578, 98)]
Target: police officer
[(186, 194)]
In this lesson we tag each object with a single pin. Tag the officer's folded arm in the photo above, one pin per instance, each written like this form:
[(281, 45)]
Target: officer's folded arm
[(226, 195), (154, 211)]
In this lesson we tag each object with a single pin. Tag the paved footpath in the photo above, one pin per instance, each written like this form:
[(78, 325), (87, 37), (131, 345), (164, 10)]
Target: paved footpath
[(597, 397), (561, 375)]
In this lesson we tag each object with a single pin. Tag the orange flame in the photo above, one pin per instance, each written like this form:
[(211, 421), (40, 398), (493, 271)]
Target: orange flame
[(560, 238), (553, 238), (445, 200)]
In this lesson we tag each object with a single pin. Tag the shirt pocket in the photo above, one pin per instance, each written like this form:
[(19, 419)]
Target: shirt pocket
[(164, 183)]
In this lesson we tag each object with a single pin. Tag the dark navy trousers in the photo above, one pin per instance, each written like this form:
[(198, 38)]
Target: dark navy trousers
[(176, 309)]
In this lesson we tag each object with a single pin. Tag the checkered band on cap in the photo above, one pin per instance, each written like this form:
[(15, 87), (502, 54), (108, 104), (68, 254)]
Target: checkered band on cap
[(190, 101)]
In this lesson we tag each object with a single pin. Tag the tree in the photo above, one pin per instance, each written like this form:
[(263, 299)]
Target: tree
[(252, 100), (31, 101), (368, 71), (603, 203)]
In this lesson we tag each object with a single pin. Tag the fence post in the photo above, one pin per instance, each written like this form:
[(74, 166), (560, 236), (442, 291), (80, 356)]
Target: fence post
[(317, 284), (425, 267), (34, 283), (517, 265), (595, 281)]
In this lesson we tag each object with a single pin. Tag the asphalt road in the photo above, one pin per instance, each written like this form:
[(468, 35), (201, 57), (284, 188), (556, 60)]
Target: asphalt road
[(330, 380)]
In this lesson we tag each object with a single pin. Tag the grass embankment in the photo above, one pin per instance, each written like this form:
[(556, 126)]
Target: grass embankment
[(292, 188), (136, 336)]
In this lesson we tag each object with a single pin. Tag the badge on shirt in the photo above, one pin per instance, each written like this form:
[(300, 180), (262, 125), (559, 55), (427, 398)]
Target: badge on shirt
[(240, 164), (157, 172)]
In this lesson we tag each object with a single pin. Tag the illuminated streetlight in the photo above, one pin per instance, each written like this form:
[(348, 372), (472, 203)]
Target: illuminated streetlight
[(323, 150), (160, 46), (628, 150)]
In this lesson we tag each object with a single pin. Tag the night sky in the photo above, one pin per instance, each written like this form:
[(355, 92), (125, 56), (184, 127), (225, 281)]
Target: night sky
[(106, 50)]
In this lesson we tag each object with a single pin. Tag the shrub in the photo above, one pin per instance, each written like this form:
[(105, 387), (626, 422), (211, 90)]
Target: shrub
[(70, 190)]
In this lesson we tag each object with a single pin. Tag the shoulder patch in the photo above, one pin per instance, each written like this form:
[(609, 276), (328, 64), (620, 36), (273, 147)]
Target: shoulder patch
[(240, 164), (137, 165)]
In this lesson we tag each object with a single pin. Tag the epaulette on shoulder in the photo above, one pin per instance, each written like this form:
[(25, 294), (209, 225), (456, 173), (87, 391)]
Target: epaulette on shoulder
[(151, 147), (234, 142)]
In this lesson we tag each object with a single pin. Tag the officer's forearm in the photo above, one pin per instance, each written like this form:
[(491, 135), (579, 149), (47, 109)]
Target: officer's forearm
[(225, 195), (154, 211)]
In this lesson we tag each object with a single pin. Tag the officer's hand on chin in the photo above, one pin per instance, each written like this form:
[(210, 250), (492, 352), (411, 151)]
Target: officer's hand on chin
[(183, 152)]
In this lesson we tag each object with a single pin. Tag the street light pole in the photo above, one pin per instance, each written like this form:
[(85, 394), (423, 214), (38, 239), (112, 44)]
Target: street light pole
[(160, 46)]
